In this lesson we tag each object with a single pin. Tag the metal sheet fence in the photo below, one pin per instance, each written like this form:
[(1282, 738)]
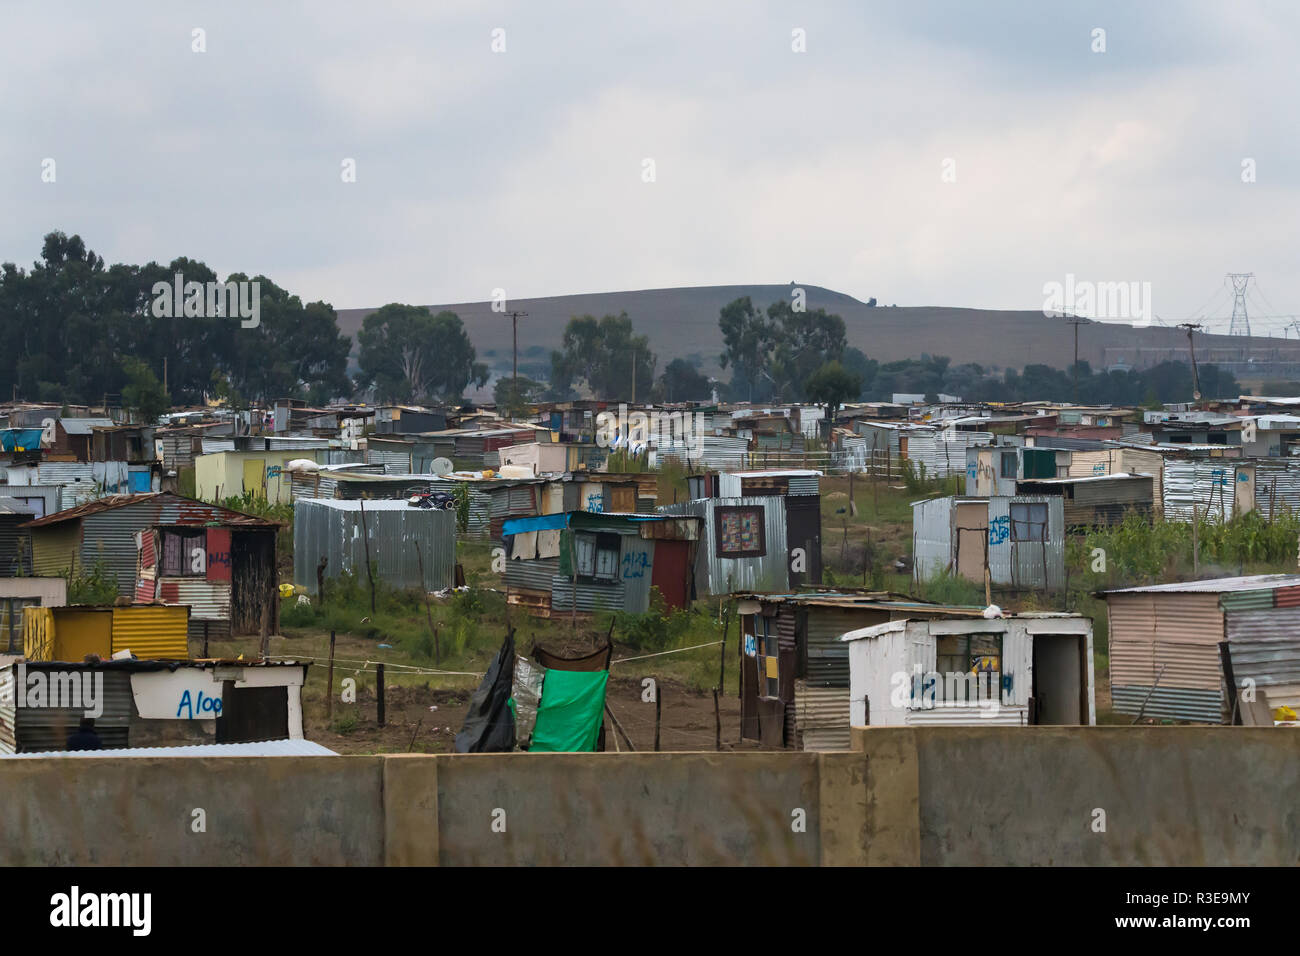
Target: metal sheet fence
[(333, 529)]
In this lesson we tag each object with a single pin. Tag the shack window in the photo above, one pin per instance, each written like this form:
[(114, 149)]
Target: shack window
[(1008, 464), (1028, 521), (597, 555), (961, 660), (739, 531), (184, 553)]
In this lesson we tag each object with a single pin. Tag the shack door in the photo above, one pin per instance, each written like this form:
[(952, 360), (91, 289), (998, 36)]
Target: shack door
[(252, 714), (972, 534), (670, 572), (253, 582), (803, 523), (1060, 681), (255, 477)]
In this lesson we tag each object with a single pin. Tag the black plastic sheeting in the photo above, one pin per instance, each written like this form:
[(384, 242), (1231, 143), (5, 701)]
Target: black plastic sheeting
[(490, 724)]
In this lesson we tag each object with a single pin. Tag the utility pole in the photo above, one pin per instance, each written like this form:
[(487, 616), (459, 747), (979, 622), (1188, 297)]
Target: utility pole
[(1076, 323), (1192, 327), (514, 373)]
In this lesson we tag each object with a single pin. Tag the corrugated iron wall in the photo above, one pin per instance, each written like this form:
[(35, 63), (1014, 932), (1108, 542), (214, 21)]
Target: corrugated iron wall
[(109, 536), (636, 563), (47, 728), (535, 575), (943, 457), (1265, 648), (591, 597), (1173, 637), (152, 633), (333, 529), (931, 538), (1028, 564), (1208, 482), (715, 575)]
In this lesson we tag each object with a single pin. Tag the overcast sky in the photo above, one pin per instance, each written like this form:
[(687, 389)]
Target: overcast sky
[(525, 169)]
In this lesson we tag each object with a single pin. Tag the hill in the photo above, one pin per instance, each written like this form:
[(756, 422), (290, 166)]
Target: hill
[(683, 323)]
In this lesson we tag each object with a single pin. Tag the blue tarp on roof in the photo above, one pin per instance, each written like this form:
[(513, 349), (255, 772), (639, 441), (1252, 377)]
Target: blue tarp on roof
[(20, 439), (535, 523)]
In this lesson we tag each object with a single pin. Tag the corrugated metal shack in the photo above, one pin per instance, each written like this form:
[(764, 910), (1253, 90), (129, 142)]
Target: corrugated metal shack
[(803, 529), (743, 544), (618, 558), (1014, 671), (18, 594), (795, 669), (71, 632), (149, 703), (15, 541), (1019, 540), (198, 540), (343, 530), (1165, 657), (1097, 502)]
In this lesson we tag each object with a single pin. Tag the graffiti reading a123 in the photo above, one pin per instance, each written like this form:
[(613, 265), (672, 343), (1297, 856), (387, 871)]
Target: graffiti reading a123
[(635, 564), (999, 529)]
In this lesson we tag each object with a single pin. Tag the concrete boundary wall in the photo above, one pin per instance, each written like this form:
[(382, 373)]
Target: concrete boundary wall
[(903, 796)]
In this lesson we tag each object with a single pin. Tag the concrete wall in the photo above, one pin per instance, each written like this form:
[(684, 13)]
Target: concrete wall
[(906, 796)]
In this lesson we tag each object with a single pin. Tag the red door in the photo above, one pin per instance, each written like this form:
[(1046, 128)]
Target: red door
[(671, 572)]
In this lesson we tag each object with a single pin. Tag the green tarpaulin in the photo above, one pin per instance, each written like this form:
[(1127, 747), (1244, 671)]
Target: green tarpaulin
[(571, 712)]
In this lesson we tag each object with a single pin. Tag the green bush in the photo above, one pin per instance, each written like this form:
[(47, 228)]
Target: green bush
[(95, 586), (656, 630)]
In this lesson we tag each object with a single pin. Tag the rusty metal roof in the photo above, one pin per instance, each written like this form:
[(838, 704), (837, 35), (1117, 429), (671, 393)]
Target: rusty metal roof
[(182, 511)]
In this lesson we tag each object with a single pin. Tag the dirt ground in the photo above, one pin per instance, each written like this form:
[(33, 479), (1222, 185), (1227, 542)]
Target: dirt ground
[(426, 720)]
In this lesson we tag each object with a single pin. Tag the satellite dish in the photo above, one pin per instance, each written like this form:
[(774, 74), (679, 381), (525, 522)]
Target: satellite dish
[(441, 467)]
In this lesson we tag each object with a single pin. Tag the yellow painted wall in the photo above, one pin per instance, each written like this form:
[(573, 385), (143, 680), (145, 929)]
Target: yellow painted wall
[(55, 548), (227, 474), (152, 632), (67, 633)]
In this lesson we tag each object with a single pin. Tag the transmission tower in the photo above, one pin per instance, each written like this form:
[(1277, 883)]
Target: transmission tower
[(1240, 321)]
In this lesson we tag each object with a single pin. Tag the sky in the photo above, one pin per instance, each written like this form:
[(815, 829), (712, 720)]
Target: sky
[(923, 152)]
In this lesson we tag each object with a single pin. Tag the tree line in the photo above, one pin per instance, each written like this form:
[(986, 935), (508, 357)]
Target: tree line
[(77, 330)]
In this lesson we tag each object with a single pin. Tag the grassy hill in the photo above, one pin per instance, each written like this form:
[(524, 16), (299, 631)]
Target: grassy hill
[(683, 323)]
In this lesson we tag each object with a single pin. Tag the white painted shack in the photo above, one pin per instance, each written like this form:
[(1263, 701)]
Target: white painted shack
[(1010, 671)]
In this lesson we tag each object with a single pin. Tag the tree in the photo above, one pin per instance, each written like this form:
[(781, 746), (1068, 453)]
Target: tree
[(296, 351), (67, 320), (513, 396), (409, 354), (144, 394), (682, 382), (774, 353), (748, 338), (607, 355), (805, 341), (832, 385)]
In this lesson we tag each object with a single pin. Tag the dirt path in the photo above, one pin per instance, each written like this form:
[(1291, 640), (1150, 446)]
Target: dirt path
[(426, 720)]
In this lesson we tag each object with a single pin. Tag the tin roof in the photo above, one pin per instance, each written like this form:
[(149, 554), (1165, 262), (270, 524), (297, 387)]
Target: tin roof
[(188, 511), (1082, 479), (1251, 582), (84, 426), (266, 748)]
